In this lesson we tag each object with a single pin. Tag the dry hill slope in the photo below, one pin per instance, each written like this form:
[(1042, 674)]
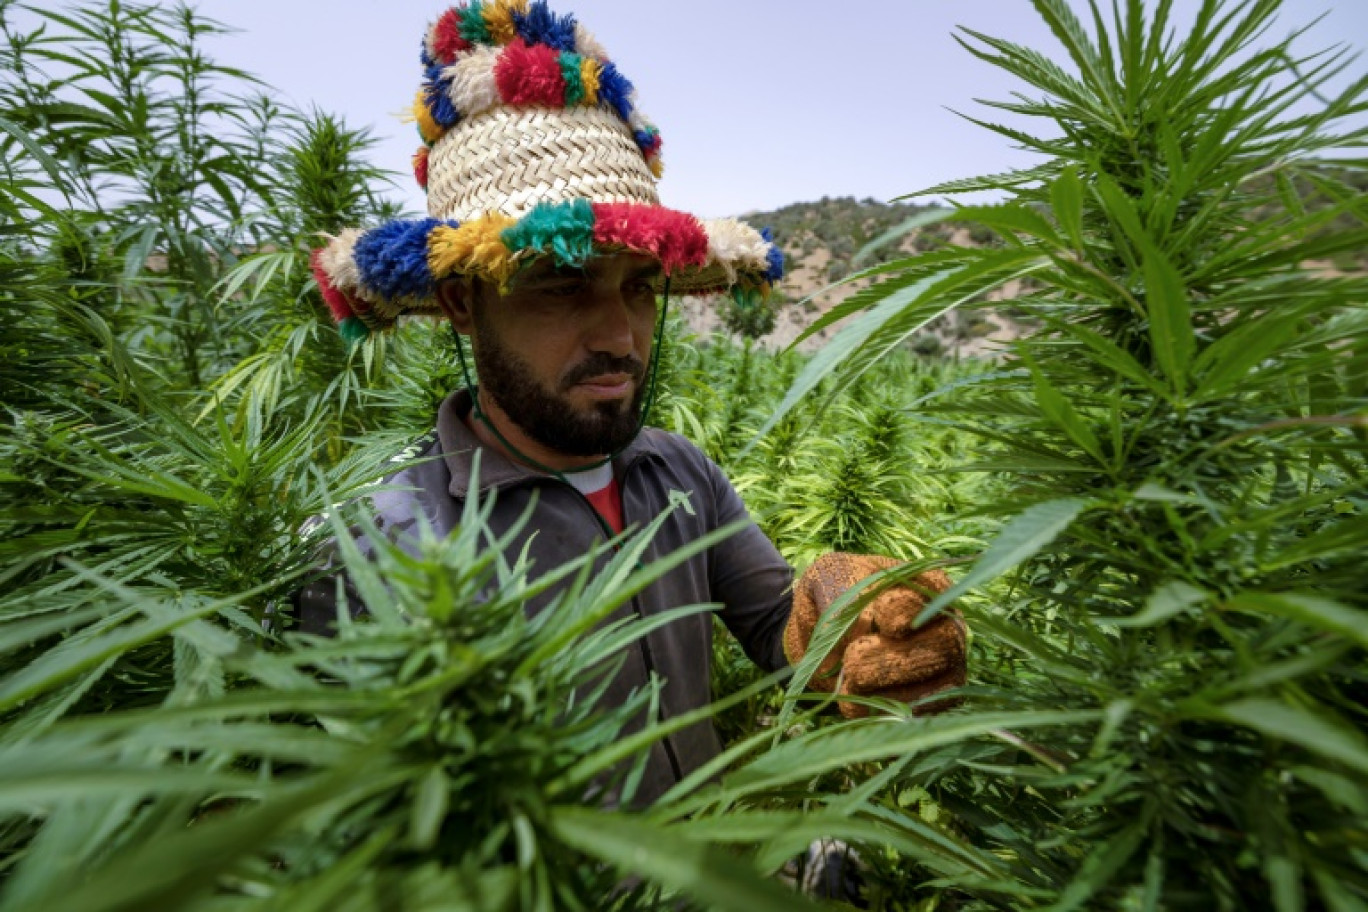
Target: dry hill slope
[(820, 238)]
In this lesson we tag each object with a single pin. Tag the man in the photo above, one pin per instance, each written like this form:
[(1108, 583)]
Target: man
[(548, 247)]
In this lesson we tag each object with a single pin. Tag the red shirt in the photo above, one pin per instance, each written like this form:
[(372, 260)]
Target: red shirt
[(608, 502)]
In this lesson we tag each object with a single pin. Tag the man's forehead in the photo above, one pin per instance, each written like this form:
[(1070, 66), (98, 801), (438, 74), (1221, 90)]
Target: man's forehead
[(629, 264)]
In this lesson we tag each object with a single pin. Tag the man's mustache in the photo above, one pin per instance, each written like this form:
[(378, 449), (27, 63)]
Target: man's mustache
[(600, 365)]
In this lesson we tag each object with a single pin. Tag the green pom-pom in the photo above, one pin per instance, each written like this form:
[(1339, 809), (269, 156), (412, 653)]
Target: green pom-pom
[(574, 79), (746, 296), (473, 27), (353, 331), (564, 230)]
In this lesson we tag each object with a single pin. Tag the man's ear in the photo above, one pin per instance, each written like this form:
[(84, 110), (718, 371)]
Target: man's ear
[(455, 297)]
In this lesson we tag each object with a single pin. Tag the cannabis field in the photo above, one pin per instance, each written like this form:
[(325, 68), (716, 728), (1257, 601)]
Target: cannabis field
[(1155, 508)]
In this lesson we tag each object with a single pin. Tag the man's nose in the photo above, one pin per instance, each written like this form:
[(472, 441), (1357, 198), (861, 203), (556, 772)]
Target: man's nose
[(612, 328)]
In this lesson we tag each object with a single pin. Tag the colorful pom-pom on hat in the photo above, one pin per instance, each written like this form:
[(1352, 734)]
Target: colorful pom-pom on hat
[(533, 145)]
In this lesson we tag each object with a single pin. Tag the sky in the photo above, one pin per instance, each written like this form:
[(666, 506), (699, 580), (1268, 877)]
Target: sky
[(761, 103)]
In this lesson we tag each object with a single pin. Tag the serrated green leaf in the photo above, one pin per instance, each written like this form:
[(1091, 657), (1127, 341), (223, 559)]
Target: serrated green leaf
[(1022, 538), (59, 665), (845, 342), (1001, 181), (1102, 865), (789, 832), (1066, 201), (1227, 361), (1063, 415), (1113, 356), (1170, 315), (40, 155), (430, 801), (1169, 600), (1330, 738), (920, 220), (1336, 894), (1011, 219), (1341, 790), (798, 761), (699, 870), (1312, 610)]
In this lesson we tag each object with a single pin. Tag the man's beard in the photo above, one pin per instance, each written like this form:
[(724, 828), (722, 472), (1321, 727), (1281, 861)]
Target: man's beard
[(548, 417)]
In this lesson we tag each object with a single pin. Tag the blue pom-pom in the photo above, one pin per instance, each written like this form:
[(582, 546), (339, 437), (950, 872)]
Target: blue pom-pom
[(616, 90), (774, 256), (647, 141), (439, 103), (393, 259), (541, 26), (776, 265)]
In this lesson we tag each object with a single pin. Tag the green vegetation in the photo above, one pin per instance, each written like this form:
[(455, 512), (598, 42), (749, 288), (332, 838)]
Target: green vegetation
[(1154, 508), (1183, 447)]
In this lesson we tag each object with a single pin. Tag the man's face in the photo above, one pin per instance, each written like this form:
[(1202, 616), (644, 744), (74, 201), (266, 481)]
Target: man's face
[(564, 351)]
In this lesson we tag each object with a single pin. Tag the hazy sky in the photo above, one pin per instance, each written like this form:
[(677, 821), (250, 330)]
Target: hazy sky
[(760, 102)]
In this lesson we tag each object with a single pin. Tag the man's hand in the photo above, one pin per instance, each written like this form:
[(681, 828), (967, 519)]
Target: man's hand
[(882, 654)]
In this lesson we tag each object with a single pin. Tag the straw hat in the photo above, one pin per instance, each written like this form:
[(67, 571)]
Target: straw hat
[(533, 145)]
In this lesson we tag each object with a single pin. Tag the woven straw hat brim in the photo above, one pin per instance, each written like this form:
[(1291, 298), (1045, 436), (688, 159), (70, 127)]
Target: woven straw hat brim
[(377, 276)]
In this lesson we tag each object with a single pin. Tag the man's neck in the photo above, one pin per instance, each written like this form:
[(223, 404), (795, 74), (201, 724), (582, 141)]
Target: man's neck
[(524, 450)]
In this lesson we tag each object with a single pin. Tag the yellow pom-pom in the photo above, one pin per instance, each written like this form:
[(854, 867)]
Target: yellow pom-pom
[(472, 248), (589, 76), (429, 129), (498, 17), (657, 167)]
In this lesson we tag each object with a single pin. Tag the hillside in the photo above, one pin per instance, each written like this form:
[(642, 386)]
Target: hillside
[(820, 239)]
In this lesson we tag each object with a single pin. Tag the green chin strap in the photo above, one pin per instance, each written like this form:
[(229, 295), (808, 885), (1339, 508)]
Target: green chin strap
[(646, 404)]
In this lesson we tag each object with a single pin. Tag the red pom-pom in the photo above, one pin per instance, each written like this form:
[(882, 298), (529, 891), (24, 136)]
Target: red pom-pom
[(676, 239), (337, 302), (446, 37), (420, 166), (530, 75)]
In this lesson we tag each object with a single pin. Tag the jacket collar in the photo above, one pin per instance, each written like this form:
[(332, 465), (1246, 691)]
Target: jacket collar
[(459, 445)]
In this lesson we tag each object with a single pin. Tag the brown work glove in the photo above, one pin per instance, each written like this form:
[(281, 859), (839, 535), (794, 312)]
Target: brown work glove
[(883, 655)]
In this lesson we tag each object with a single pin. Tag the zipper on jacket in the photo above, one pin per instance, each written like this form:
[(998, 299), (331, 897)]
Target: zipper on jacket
[(646, 657)]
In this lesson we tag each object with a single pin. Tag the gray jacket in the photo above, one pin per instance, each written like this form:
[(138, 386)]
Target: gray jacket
[(744, 573)]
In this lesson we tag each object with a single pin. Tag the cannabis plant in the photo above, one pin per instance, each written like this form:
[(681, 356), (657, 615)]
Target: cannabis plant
[(167, 740), (1184, 446), (419, 755), (190, 198)]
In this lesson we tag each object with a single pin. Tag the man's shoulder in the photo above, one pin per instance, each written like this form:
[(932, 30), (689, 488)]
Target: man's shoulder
[(676, 449), (416, 474), (684, 464), (420, 458), (405, 482)]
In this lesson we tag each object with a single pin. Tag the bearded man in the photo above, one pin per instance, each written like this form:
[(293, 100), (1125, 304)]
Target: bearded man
[(547, 246)]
